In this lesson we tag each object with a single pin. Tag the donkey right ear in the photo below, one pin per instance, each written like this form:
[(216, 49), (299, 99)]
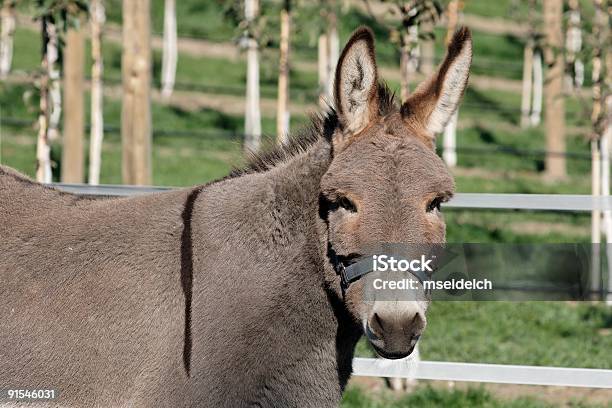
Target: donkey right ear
[(356, 83), (435, 101)]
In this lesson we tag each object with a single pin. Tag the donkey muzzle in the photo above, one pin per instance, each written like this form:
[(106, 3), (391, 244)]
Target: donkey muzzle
[(393, 328)]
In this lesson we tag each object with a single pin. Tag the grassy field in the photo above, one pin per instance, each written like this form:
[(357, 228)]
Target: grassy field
[(527, 333), (426, 396), (197, 145)]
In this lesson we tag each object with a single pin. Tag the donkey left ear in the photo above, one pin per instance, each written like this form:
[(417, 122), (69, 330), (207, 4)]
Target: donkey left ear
[(356, 82), (436, 100)]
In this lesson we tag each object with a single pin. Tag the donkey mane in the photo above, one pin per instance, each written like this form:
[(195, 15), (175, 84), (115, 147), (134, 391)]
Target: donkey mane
[(321, 127)]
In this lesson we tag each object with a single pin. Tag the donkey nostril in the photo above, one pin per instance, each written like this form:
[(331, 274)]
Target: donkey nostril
[(417, 319), (374, 328), (378, 321)]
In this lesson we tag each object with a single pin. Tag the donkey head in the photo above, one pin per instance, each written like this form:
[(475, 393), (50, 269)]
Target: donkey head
[(385, 183)]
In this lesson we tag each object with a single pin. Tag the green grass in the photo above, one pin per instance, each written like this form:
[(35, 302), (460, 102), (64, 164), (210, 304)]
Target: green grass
[(499, 8), (530, 333), (490, 226), (518, 183), (526, 333), (430, 397)]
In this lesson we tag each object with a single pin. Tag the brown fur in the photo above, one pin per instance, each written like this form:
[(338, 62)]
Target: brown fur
[(224, 294)]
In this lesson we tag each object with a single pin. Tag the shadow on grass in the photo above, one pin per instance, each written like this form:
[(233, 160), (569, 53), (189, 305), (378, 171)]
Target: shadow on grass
[(477, 97)]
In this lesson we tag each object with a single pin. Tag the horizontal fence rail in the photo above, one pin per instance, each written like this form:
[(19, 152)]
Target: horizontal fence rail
[(493, 373), (108, 189), (539, 202)]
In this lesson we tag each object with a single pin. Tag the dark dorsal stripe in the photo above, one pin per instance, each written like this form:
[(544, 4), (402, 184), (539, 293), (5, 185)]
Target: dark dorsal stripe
[(187, 273)]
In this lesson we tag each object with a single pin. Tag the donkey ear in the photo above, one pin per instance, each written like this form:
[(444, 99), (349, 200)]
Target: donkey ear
[(436, 100), (356, 82)]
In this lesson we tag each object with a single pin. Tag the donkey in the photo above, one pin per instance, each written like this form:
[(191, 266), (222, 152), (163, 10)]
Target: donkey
[(229, 294)]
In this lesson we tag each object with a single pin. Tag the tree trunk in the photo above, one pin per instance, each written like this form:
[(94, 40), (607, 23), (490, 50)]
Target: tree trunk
[(74, 122), (595, 216), (97, 119), (333, 48), (449, 151), (555, 104), (136, 109), (328, 54), (573, 45), (253, 115), (43, 150), (605, 183), (601, 116), (7, 19), (527, 84), (538, 86), (282, 112), (55, 89), (427, 49), (449, 146), (605, 164), (453, 20), (170, 54), (323, 56), (409, 59), (404, 69), (252, 125)]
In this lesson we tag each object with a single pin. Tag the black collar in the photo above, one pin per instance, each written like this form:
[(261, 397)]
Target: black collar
[(360, 267)]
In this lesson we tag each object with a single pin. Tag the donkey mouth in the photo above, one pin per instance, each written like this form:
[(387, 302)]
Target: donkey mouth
[(396, 354), (392, 355)]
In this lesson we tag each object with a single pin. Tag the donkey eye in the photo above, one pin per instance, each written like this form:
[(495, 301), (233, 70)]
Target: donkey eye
[(347, 204), (435, 204)]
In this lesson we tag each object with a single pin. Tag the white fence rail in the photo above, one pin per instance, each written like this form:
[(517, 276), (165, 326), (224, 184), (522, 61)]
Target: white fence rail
[(449, 371), (538, 202), (494, 373), (108, 190)]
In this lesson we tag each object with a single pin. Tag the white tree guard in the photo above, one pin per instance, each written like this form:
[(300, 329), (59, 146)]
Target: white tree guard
[(97, 20), (170, 52), (536, 105), (449, 142), (7, 19), (252, 125)]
